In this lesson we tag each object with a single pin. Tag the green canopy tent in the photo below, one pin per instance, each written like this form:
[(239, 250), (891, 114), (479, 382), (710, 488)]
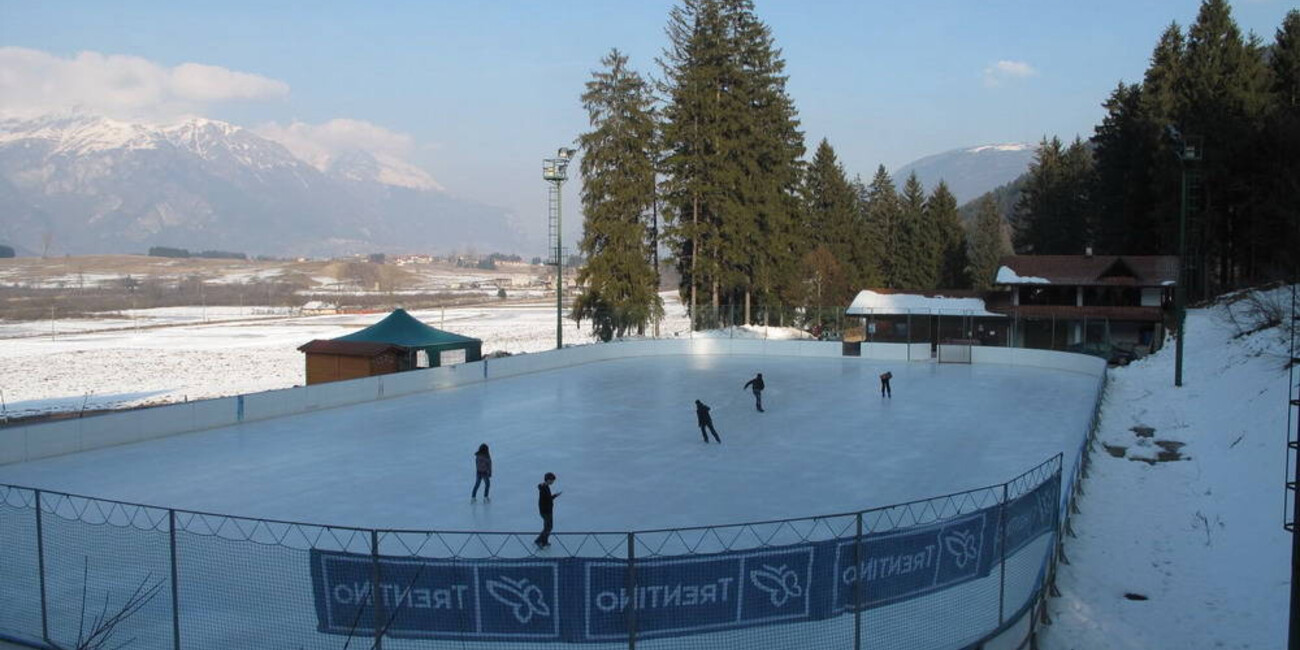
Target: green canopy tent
[(400, 328)]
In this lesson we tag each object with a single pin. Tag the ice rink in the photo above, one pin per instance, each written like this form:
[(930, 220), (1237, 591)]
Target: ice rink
[(621, 436)]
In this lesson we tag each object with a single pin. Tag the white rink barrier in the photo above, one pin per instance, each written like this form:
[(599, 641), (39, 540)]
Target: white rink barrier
[(42, 440)]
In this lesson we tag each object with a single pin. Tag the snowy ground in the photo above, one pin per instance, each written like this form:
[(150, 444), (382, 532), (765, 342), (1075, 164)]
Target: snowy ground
[(172, 355), (1202, 538)]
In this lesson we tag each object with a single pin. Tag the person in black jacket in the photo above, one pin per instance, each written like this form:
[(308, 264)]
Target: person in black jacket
[(885, 390), (482, 473), (545, 505), (757, 384), (706, 420)]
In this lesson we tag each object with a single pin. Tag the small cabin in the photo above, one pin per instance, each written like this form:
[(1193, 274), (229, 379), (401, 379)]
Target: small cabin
[(331, 360), (397, 343)]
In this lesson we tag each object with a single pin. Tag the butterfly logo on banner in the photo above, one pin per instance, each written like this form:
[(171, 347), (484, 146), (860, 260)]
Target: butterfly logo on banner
[(779, 582), (524, 599), (963, 545)]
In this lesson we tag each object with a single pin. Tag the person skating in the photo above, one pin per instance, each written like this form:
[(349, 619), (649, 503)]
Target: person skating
[(482, 473), (885, 390), (545, 508), (757, 384), (705, 420)]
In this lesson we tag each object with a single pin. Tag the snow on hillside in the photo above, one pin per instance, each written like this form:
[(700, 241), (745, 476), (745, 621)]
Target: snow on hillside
[(1201, 539)]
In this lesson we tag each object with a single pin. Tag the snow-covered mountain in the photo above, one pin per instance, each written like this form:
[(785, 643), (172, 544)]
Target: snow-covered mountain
[(77, 183), (972, 171)]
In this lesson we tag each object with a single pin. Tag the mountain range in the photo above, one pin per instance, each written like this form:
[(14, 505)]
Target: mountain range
[(78, 184)]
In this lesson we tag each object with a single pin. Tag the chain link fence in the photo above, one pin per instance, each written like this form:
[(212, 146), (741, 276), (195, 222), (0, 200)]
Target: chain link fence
[(947, 571)]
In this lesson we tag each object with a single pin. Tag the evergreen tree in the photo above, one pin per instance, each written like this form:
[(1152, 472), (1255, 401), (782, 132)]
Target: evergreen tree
[(769, 152), (987, 244), (869, 250), (882, 210), (692, 66), (618, 171), (1052, 215), (1159, 104), (916, 259), (1122, 199), (1224, 92), (1279, 180), (733, 149), (950, 235), (833, 221)]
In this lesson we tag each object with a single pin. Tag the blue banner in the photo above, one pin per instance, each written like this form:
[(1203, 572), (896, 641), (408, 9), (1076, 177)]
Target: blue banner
[(593, 600), (422, 598), (907, 564), (1031, 514), (699, 594)]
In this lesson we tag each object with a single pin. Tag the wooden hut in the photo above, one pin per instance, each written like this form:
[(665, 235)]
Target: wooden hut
[(398, 342), (333, 360)]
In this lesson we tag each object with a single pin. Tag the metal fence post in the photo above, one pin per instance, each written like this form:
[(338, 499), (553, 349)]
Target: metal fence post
[(631, 590), (176, 612), (40, 567), (1002, 550), (857, 587), (374, 590)]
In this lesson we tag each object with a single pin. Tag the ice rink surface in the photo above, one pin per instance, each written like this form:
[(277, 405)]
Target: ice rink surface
[(621, 435)]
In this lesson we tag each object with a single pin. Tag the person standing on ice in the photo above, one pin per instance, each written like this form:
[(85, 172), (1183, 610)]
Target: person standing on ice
[(705, 420), (885, 390), (757, 384), (545, 508), (483, 473)]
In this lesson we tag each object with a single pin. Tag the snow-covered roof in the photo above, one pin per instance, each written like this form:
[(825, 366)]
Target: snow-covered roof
[(1088, 270), (1008, 276), (878, 303)]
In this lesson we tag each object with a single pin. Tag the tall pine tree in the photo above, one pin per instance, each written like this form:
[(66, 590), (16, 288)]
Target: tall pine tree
[(881, 207), (950, 235), (1224, 90), (1052, 215), (732, 154), (988, 244), (618, 172), (916, 260), (833, 220)]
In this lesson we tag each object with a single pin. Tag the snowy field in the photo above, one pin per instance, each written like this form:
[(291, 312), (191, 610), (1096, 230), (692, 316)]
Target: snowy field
[(172, 355)]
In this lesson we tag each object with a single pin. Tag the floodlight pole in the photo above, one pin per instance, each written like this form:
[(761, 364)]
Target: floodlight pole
[(1180, 289), (1187, 149), (555, 171)]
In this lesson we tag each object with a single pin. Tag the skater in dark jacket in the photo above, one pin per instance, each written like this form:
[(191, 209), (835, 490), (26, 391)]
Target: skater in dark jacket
[(706, 420), (885, 390), (545, 508), (757, 384), (483, 473)]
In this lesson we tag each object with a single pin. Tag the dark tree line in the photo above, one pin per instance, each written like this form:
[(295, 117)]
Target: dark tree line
[(1231, 97), (707, 163)]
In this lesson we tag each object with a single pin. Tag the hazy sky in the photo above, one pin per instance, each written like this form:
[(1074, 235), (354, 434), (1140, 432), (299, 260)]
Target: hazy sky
[(477, 93)]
